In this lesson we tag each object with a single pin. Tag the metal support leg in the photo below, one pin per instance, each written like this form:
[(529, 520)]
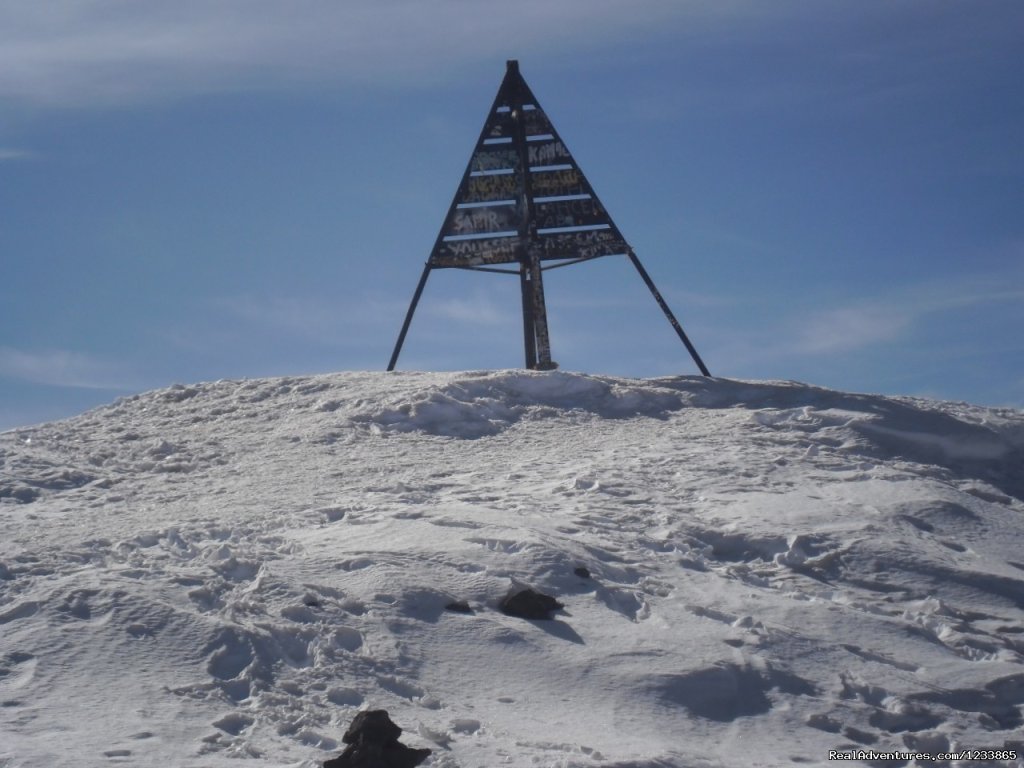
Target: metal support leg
[(540, 319), (668, 312), (529, 334), (408, 317)]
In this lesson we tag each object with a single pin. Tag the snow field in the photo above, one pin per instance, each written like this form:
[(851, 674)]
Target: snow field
[(224, 573)]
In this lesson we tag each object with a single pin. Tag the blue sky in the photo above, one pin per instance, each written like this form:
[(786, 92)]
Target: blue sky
[(823, 191)]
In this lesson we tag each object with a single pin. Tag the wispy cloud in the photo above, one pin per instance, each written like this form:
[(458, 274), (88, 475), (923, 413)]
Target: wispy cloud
[(304, 318), (64, 368), (287, 314), (848, 328), (895, 317), (70, 52), (476, 310), (890, 318), (8, 154)]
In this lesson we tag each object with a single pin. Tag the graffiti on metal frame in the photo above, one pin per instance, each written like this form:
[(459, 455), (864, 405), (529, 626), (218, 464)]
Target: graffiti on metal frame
[(503, 124), (485, 218), (500, 126), (491, 159), (498, 186), (465, 253), (558, 183), (492, 220), (582, 245), (536, 123), (548, 153), (570, 213)]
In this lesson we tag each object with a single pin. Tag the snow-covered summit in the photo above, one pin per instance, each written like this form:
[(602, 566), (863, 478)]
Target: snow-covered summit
[(223, 574)]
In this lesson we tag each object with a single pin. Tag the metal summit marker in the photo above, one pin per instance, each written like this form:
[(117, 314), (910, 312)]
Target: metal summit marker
[(524, 200)]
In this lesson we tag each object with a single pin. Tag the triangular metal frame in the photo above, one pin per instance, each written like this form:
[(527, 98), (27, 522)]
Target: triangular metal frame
[(524, 200)]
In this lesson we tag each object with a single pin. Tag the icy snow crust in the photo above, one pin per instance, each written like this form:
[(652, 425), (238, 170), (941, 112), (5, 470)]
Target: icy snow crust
[(223, 574)]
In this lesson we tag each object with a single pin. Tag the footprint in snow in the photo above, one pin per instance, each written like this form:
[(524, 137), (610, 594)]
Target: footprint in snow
[(20, 611), (234, 723), (345, 697), (16, 670)]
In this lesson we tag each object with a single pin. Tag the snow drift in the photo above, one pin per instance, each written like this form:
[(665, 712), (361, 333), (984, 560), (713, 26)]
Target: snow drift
[(224, 574)]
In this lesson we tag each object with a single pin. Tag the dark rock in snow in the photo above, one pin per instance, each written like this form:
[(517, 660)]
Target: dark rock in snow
[(373, 743), (583, 572), (372, 726), (528, 604), (20, 493), (394, 755), (458, 606)]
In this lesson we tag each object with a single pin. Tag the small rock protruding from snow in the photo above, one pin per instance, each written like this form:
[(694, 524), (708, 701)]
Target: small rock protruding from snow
[(459, 606), (372, 740), (530, 604)]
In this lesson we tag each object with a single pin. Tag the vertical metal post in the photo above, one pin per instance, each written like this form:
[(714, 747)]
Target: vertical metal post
[(668, 312), (529, 334), (535, 316), (408, 316), (540, 315)]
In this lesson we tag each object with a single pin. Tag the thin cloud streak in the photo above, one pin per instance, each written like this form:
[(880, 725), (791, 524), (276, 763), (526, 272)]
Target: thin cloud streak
[(306, 318), (72, 54), (850, 328), (888, 320), (64, 368), (822, 334), (8, 154), (476, 311)]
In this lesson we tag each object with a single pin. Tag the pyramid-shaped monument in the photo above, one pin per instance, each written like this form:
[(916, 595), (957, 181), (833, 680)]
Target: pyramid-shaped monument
[(524, 201)]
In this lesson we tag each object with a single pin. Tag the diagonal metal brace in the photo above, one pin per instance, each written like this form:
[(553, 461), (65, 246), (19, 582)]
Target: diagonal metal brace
[(668, 312)]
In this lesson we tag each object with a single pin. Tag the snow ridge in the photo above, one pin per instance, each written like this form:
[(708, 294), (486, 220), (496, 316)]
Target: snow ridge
[(226, 572)]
